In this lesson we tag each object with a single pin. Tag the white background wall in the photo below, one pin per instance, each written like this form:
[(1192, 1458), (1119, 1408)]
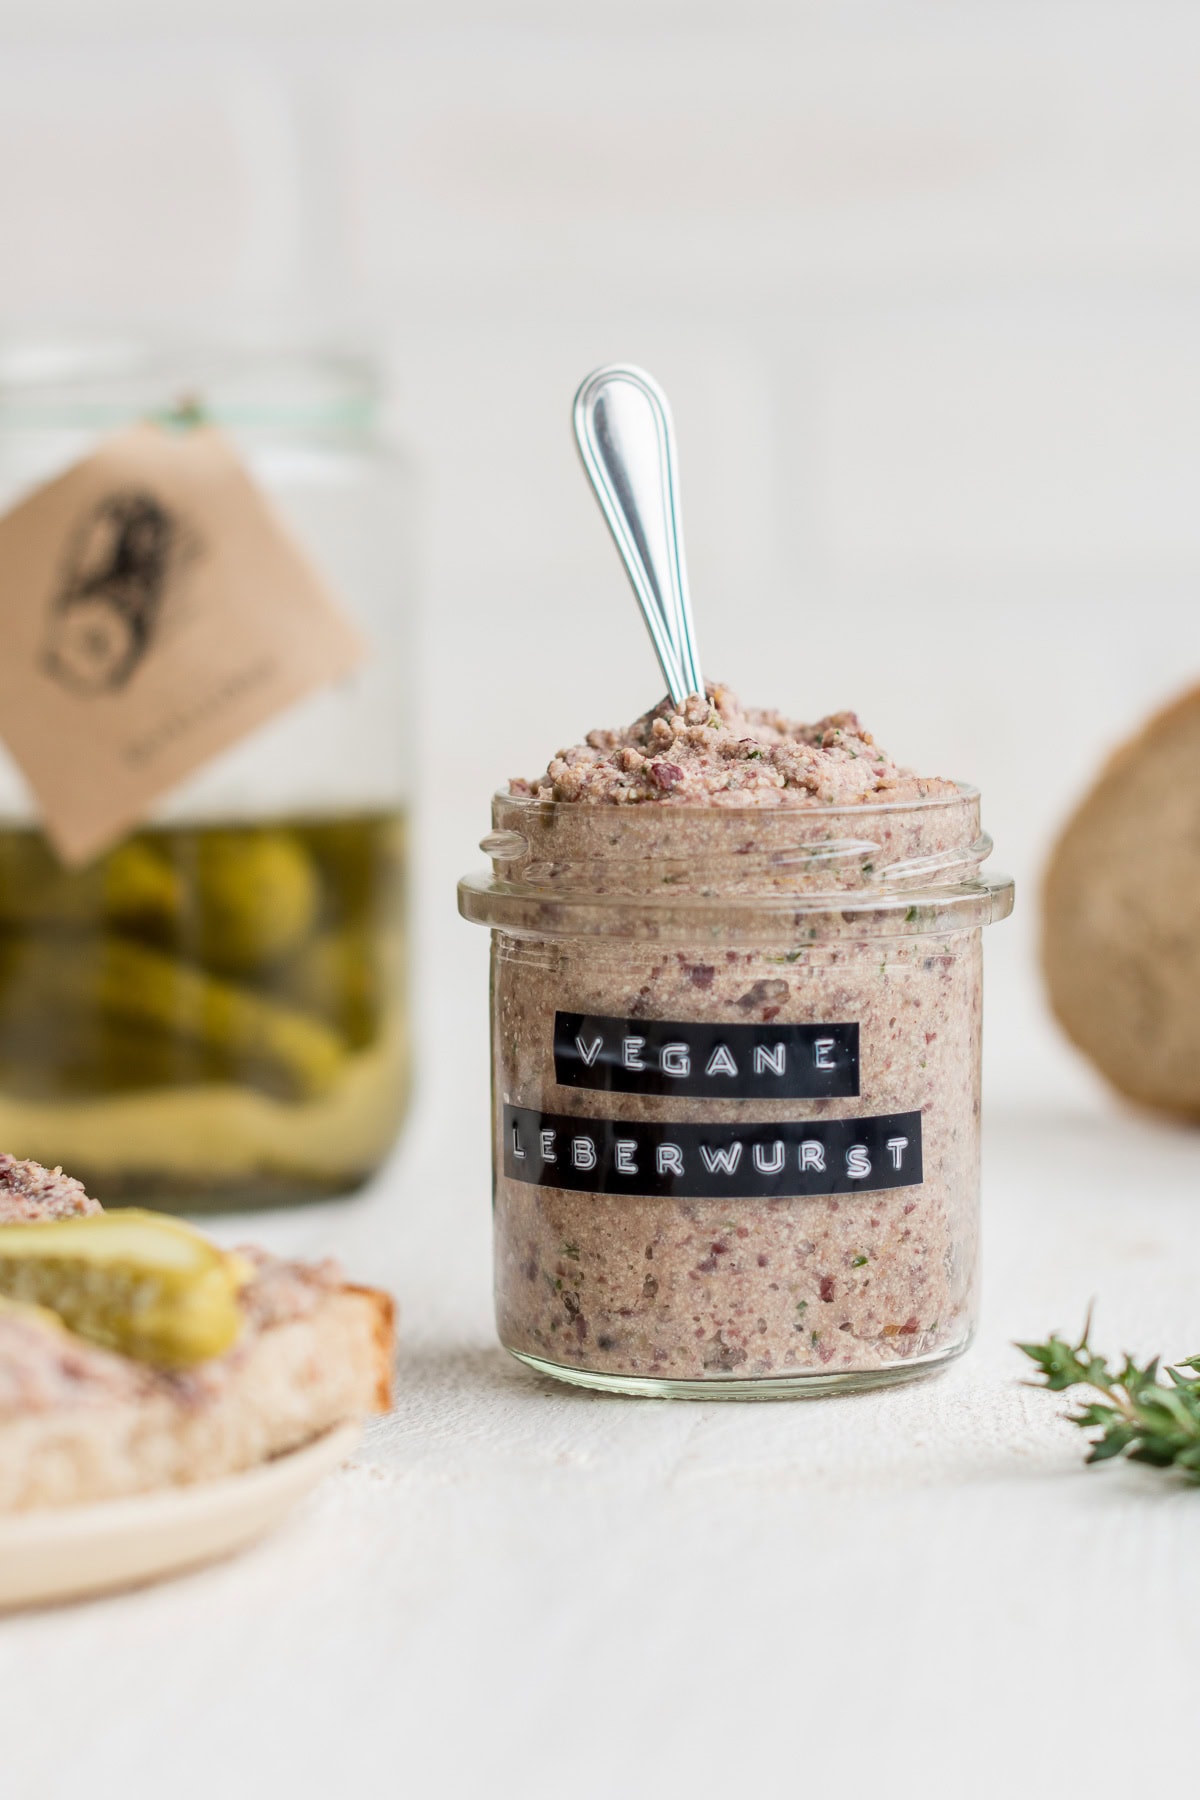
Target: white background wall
[(921, 279)]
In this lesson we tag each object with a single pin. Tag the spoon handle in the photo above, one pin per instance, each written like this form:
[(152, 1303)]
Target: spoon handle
[(627, 443)]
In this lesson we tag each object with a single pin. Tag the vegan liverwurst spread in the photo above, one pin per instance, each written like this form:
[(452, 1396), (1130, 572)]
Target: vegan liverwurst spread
[(732, 1152)]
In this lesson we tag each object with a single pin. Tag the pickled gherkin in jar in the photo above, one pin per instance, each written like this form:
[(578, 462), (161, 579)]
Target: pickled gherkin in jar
[(209, 1014), (149, 995), (133, 886), (252, 897)]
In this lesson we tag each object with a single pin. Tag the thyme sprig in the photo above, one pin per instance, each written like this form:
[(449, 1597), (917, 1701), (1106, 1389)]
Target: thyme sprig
[(1138, 1416)]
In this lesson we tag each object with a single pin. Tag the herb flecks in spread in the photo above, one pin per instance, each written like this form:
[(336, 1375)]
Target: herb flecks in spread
[(711, 752)]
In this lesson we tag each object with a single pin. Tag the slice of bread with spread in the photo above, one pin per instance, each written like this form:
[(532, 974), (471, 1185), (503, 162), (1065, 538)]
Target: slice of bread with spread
[(82, 1421), (1121, 916)]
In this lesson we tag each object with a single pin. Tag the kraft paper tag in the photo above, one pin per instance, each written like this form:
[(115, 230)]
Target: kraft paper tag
[(153, 610)]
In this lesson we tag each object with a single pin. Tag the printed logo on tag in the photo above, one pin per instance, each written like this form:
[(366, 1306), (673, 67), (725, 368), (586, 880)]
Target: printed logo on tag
[(154, 609), (126, 555)]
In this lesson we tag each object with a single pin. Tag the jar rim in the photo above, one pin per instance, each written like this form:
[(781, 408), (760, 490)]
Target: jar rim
[(564, 846), (744, 919), (97, 380), (963, 790), (749, 873)]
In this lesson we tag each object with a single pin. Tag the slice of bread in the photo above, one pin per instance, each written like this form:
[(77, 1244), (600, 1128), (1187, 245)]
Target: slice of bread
[(81, 1423), (1121, 916)]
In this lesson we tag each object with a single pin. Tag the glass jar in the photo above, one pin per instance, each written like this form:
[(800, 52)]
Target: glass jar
[(214, 1013), (736, 1066)]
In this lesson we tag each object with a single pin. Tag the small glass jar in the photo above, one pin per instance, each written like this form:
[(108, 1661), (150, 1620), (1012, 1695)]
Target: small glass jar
[(214, 1013), (736, 1069)]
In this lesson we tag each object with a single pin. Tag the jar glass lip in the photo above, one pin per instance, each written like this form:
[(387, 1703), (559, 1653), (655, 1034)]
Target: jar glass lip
[(95, 381), (640, 846), (963, 791), (911, 864), (747, 919)]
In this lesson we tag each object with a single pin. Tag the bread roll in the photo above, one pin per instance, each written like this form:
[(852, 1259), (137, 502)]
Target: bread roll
[(1121, 916)]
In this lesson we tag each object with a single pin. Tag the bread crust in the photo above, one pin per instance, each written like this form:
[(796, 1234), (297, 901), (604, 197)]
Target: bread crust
[(382, 1309), (1121, 915)]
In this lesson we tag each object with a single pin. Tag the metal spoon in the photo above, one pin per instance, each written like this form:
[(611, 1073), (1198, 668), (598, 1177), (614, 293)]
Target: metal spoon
[(627, 442)]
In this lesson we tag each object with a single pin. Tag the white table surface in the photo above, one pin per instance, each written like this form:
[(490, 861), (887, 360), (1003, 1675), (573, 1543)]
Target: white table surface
[(522, 1590)]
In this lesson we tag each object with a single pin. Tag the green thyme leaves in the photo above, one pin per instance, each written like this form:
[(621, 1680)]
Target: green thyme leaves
[(1137, 1414)]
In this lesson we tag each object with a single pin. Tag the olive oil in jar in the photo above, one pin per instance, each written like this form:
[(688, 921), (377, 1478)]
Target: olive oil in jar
[(210, 1015)]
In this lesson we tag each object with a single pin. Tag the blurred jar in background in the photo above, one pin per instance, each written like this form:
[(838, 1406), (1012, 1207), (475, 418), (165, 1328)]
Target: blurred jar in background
[(214, 1013)]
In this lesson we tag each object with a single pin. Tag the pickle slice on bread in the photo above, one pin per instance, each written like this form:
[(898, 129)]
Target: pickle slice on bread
[(137, 1282)]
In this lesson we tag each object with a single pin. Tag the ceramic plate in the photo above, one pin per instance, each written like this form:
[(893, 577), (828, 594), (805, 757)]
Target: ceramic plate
[(63, 1554)]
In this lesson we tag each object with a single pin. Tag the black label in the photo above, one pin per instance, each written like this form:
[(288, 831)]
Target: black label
[(734, 1062), (765, 1160)]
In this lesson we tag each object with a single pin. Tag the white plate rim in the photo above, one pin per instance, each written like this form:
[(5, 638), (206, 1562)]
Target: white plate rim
[(208, 1519)]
